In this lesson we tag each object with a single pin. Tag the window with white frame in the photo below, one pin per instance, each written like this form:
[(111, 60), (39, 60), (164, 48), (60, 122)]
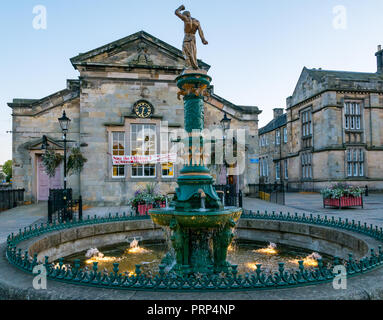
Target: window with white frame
[(118, 149), (285, 135), (353, 116), (306, 162), (278, 137), (355, 162), (286, 169), (277, 170), (143, 142)]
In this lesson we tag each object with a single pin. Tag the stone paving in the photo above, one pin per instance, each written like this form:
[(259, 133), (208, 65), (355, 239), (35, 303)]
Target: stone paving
[(372, 212)]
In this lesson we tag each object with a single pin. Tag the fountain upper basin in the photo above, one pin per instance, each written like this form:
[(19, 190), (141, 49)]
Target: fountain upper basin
[(198, 218)]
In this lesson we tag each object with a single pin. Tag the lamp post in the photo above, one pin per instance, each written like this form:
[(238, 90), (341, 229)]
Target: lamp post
[(225, 123), (64, 124)]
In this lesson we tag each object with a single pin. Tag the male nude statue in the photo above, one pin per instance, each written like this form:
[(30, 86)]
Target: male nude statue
[(189, 47)]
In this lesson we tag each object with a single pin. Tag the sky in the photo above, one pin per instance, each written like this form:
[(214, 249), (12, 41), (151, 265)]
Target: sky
[(257, 48)]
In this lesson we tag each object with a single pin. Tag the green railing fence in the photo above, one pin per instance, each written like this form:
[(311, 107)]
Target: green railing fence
[(170, 281)]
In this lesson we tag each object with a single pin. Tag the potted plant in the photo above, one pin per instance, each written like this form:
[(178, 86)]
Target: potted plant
[(342, 195), (146, 199)]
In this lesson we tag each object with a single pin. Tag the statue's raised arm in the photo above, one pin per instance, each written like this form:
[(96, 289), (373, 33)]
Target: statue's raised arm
[(179, 14)]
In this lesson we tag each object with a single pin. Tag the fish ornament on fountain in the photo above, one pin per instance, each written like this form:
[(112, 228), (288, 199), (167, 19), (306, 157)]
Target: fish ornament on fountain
[(201, 228)]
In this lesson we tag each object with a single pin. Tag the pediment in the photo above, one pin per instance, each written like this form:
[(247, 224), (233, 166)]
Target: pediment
[(37, 143), (307, 86), (138, 50)]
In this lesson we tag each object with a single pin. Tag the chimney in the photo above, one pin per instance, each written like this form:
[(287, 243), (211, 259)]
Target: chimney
[(277, 112), (379, 58)]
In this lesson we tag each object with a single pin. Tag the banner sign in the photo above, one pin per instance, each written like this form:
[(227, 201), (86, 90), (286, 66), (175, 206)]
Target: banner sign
[(155, 158)]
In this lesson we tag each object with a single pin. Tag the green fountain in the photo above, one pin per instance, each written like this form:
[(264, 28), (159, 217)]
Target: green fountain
[(201, 228)]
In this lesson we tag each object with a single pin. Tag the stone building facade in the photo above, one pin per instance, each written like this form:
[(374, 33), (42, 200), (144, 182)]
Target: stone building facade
[(273, 149), (101, 104), (334, 124)]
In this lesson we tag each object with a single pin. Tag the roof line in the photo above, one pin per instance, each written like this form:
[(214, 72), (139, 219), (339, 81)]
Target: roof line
[(117, 43)]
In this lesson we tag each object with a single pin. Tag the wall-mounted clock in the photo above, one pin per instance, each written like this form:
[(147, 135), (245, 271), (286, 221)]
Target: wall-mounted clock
[(143, 109)]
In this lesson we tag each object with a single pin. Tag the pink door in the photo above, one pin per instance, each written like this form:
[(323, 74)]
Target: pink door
[(44, 183)]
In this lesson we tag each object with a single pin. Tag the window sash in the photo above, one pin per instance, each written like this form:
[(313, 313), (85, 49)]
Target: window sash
[(143, 141), (355, 162), (118, 149), (286, 169), (167, 170)]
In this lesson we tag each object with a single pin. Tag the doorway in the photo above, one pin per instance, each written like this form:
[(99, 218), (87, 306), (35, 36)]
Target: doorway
[(44, 182)]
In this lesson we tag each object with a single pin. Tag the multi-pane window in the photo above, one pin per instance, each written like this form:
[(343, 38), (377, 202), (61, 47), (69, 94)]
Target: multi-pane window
[(306, 128), (143, 142), (263, 140), (352, 113), (278, 137), (355, 163), (118, 149), (285, 165), (353, 122), (277, 170), (306, 161), (264, 167), (285, 135)]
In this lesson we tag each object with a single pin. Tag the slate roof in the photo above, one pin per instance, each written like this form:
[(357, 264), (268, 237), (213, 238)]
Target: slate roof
[(274, 124), (242, 109), (319, 74)]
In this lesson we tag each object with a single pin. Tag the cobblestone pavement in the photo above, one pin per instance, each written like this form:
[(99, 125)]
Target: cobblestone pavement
[(372, 212)]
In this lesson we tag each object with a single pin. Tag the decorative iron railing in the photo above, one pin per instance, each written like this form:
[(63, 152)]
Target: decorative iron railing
[(170, 281), (10, 198), (62, 207)]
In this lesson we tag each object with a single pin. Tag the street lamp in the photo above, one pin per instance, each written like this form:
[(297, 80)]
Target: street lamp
[(225, 122), (64, 124)]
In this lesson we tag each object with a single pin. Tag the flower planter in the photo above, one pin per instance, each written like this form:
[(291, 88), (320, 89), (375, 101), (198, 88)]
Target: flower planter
[(343, 202), (143, 208)]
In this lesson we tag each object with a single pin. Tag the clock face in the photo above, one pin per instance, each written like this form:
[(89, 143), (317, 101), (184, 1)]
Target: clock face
[(143, 109)]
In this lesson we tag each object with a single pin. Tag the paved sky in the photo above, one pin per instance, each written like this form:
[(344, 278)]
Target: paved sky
[(257, 48)]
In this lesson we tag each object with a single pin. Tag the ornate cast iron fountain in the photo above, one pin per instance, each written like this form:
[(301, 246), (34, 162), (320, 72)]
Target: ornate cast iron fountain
[(202, 229)]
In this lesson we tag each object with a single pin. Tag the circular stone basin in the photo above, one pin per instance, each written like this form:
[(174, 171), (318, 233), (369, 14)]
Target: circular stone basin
[(246, 255), (198, 218), (313, 234)]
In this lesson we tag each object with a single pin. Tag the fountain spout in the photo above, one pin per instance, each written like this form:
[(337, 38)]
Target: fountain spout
[(223, 196), (166, 199), (203, 198)]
